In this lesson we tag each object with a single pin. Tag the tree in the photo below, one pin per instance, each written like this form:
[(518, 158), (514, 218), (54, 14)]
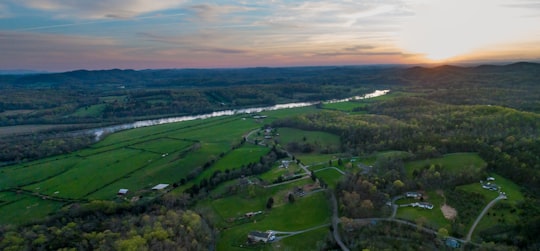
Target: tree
[(443, 232), (291, 198), (270, 203)]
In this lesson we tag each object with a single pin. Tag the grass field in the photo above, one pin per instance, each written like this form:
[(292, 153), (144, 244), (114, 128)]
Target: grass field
[(329, 176), (505, 211), (452, 162), (288, 135), (282, 218), (20, 208), (275, 172), (345, 106), (90, 111), (434, 217), (134, 159)]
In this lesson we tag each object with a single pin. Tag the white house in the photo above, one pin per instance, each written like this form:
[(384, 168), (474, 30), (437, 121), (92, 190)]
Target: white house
[(257, 236), (413, 195), (123, 191), (160, 186)]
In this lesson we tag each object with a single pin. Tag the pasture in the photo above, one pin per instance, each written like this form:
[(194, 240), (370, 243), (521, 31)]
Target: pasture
[(138, 159), (453, 163), (288, 135), (505, 211), (22, 208), (281, 218), (432, 218), (348, 106), (329, 175)]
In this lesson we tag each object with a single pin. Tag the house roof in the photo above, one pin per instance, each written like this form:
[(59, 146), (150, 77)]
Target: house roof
[(451, 242), (123, 191), (160, 186), (260, 234)]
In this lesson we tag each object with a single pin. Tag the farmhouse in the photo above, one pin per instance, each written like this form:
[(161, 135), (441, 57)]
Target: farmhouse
[(257, 236), (160, 186), (251, 214), (415, 195), (123, 191), (490, 186), (425, 205)]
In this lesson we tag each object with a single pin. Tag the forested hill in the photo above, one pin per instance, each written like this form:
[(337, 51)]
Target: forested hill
[(191, 77)]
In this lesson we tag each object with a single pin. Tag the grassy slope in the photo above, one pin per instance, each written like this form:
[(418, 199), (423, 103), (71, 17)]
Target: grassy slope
[(450, 162)]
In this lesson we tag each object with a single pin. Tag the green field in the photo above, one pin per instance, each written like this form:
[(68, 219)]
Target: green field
[(288, 135), (451, 162), (329, 176), (274, 173), (344, 106), (434, 217), (90, 111), (138, 159), (21, 209), (505, 211), (281, 218), (241, 156)]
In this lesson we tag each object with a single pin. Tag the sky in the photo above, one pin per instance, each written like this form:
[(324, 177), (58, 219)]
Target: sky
[(63, 35)]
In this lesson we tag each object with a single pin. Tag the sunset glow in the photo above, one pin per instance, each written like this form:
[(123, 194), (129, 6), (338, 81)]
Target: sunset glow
[(59, 35)]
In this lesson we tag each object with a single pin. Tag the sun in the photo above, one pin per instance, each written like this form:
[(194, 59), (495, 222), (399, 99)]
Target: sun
[(445, 30)]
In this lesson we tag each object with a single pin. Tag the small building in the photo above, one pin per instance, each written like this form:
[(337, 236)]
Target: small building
[(425, 205), (160, 186), (490, 179), (123, 191), (257, 236), (415, 195), (490, 186), (453, 243)]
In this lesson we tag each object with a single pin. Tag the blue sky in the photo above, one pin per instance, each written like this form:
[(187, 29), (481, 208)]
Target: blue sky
[(59, 35)]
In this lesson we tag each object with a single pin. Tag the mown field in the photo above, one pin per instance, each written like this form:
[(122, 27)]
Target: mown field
[(306, 212), (451, 162), (134, 159)]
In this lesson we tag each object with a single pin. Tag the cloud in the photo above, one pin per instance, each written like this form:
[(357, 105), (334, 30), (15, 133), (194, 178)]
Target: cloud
[(4, 11), (194, 43), (212, 12), (102, 9), (40, 51)]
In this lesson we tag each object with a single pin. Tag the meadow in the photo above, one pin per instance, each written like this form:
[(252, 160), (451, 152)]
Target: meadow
[(134, 159), (452, 163)]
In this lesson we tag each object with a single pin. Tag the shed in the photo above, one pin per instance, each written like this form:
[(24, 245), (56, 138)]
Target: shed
[(160, 186), (123, 191)]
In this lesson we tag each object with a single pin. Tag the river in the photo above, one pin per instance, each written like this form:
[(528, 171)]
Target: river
[(99, 132)]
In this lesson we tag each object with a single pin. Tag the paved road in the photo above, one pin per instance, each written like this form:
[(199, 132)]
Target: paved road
[(489, 205), (395, 206), (335, 222)]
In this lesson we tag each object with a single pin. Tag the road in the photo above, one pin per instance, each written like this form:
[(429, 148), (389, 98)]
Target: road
[(395, 206), (331, 167), (335, 222), (489, 205), (284, 234)]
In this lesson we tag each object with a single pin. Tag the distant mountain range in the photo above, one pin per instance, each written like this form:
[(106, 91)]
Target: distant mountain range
[(167, 78)]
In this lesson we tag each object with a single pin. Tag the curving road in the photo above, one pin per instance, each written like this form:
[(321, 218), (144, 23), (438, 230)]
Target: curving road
[(335, 222), (489, 205)]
